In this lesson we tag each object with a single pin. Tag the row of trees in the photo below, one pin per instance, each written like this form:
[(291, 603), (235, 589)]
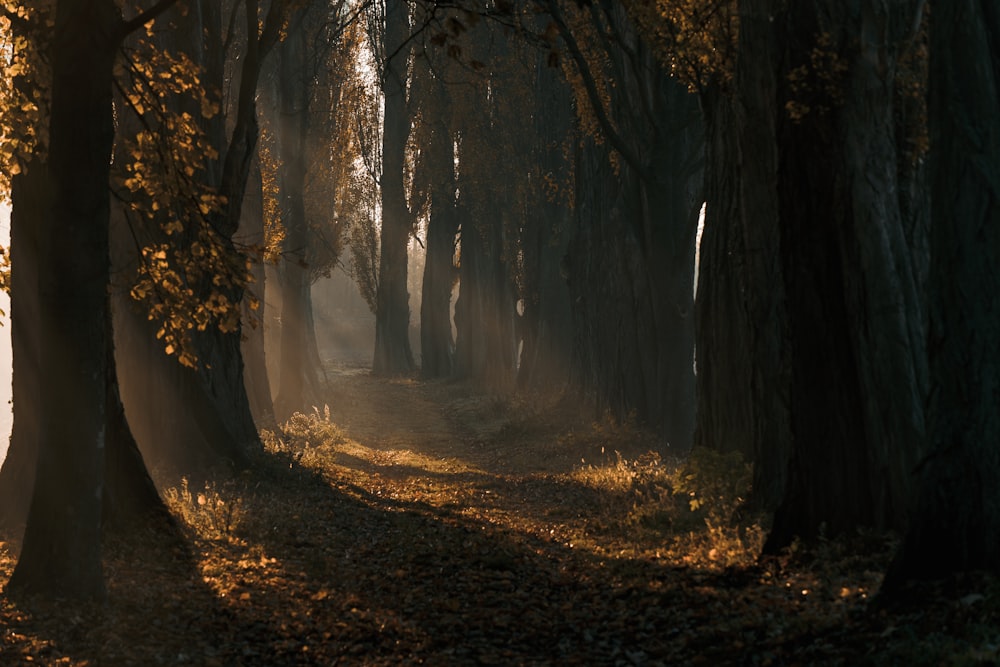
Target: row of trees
[(552, 158)]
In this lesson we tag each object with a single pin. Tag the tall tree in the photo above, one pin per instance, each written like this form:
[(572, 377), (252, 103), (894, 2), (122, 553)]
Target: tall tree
[(61, 552), (193, 275), (437, 176), (637, 189), (956, 522), (855, 321), (546, 230), (315, 97), (489, 207), (297, 376), (392, 313)]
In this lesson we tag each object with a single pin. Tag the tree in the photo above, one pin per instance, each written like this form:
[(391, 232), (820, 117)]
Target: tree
[(854, 316), (546, 230), (956, 523), (297, 377), (435, 179), (392, 314), (631, 261), (315, 101), (61, 553), (193, 276)]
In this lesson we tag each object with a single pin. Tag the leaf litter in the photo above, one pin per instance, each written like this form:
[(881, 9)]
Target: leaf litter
[(424, 523)]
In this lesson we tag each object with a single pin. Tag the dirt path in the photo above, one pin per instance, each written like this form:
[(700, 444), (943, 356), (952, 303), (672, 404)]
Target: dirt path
[(450, 421), (425, 523)]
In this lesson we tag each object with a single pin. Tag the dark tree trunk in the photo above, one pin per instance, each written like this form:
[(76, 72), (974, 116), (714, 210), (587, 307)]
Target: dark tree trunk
[(485, 345), (298, 378), (854, 315), (726, 409), (956, 523), (545, 318), (484, 311), (61, 553), (765, 299), (632, 262), (436, 342), (30, 195), (392, 313), (130, 496), (256, 377), (216, 427)]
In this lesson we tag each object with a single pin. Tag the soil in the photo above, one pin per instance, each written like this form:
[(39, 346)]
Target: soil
[(432, 523)]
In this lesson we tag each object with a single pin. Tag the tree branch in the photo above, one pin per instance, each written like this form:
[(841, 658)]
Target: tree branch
[(595, 98), (145, 17)]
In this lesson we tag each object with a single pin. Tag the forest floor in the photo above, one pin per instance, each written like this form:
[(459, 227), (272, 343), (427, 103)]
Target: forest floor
[(425, 523)]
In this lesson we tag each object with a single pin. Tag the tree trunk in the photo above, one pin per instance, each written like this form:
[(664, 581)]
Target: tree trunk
[(30, 196), (484, 311), (217, 428), (546, 321), (61, 553), (726, 409), (256, 376), (298, 378), (436, 342), (392, 313), (956, 523), (854, 316)]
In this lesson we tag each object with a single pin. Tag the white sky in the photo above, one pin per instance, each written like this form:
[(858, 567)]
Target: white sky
[(5, 351)]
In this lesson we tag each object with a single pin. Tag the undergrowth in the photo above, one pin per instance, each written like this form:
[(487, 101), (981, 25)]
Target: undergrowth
[(214, 512), (304, 436), (695, 506)]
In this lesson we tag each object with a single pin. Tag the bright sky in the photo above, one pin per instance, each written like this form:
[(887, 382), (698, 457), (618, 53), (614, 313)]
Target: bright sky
[(6, 419)]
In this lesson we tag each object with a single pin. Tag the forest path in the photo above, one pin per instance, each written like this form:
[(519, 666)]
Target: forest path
[(427, 523), (501, 459), (449, 421)]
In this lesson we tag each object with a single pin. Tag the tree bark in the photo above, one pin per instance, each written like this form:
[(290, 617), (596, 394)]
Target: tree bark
[(726, 409), (256, 378), (956, 523), (393, 355), (854, 314), (438, 178), (298, 377), (30, 195), (545, 317), (631, 262), (61, 552)]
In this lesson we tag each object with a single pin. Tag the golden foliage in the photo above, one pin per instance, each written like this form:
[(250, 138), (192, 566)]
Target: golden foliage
[(274, 231), (190, 277), (694, 39), (24, 87), (816, 86)]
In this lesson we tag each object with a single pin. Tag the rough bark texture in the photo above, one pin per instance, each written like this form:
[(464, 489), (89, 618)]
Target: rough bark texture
[(298, 376), (61, 552), (854, 317), (757, 157), (631, 262), (436, 341), (726, 409), (545, 318), (956, 525), (216, 428), (392, 313)]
